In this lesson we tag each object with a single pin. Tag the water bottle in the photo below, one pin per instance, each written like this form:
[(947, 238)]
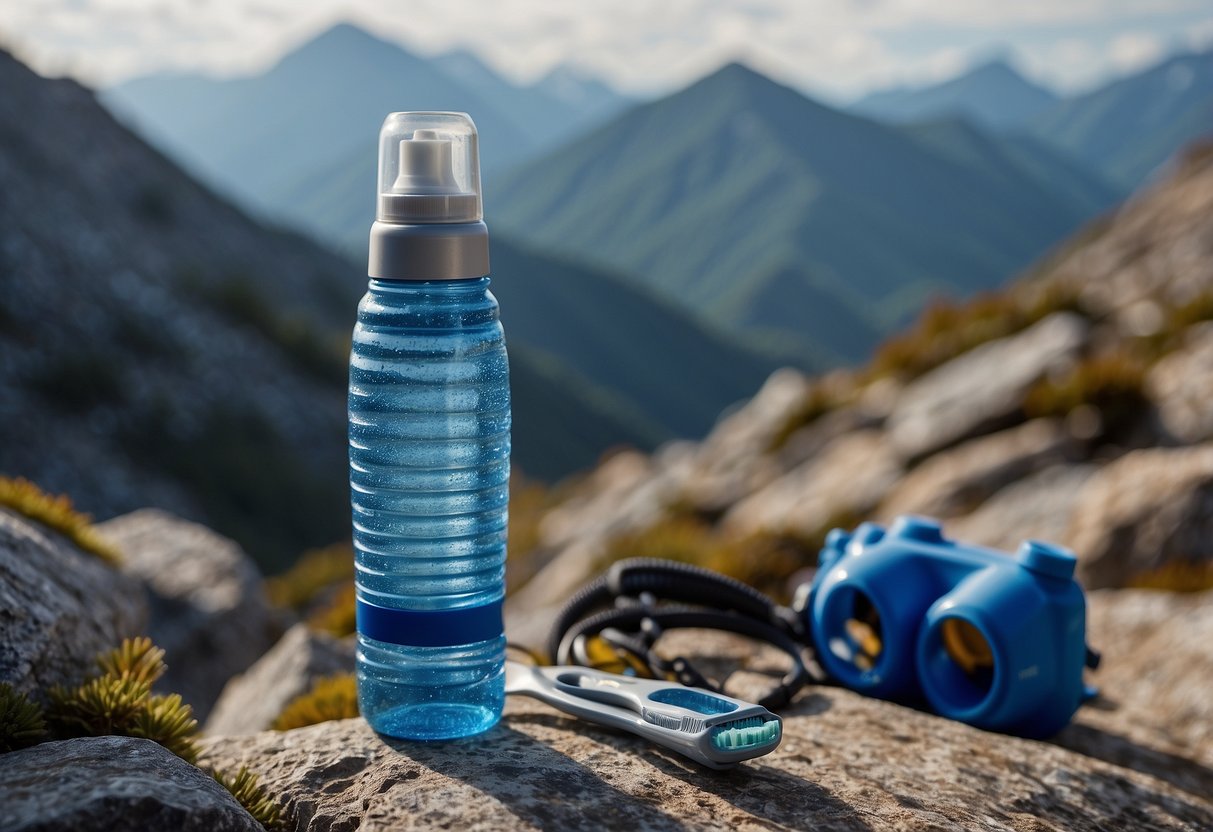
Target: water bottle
[(429, 433)]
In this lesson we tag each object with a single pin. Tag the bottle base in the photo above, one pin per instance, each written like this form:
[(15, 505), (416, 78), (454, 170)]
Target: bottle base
[(434, 721)]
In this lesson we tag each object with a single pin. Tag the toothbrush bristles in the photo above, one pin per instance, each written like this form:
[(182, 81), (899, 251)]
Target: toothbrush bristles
[(745, 733)]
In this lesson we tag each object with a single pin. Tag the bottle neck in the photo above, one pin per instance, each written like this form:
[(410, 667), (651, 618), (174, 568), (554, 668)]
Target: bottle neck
[(438, 251)]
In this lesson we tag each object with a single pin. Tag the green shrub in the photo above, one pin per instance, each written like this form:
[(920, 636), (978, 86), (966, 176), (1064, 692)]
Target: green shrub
[(120, 702), (22, 723), (333, 697), (315, 571), (1112, 383), (947, 329), (821, 399), (247, 790), (336, 616), (764, 561), (1177, 576), (56, 512)]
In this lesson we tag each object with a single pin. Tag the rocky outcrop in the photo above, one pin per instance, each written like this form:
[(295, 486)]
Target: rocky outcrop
[(252, 701), (59, 607), (97, 784), (846, 762), (1154, 712), (848, 477), (1182, 386), (1147, 509), (208, 611), (983, 388), (1039, 507), (952, 482)]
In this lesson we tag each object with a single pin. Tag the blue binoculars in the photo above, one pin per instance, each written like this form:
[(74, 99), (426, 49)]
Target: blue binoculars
[(986, 638)]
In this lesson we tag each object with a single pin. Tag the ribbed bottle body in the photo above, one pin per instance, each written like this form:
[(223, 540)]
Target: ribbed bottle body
[(429, 433)]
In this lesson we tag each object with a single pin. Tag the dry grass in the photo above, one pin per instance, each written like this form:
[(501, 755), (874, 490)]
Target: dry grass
[(56, 513), (1177, 576), (947, 329), (333, 697)]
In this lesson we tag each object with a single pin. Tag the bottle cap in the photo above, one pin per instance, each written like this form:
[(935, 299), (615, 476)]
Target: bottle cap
[(429, 169)]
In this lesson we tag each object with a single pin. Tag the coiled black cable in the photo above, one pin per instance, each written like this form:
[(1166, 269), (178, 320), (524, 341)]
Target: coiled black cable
[(638, 599)]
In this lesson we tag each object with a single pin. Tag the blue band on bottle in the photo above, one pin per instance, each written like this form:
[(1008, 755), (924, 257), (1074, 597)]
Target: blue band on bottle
[(430, 628)]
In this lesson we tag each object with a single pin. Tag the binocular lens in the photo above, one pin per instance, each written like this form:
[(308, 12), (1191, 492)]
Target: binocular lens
[(967, 646), (864, 633)]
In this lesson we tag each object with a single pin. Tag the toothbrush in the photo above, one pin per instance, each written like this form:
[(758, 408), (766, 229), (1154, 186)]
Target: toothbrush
[(710, 728)]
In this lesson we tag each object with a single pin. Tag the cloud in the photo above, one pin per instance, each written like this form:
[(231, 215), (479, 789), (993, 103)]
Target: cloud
[(839, 47)]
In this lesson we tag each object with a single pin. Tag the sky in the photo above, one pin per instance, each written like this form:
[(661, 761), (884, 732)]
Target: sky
[(836, 49)]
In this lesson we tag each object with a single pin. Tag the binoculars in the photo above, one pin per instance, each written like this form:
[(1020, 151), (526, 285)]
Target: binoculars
[(994, 640)]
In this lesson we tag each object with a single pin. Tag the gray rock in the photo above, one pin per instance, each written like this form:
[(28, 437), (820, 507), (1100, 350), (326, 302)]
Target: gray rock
[(719, 478), (953, 482), (982, 389), (849, 477), (846, 762), (208, 611), (252, 701), (1154, 712), (1039, 506), (59, 607), (98, 784), (1181, 385), (1146, 510)]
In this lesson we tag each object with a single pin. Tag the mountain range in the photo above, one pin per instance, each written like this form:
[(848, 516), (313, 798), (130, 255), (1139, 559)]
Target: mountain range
[(795, 192), (992, 95), (322, 104), (1123, 130), (779, 217), (159, 347)]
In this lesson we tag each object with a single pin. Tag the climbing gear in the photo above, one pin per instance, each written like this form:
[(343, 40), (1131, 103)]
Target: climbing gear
[(903, 614)]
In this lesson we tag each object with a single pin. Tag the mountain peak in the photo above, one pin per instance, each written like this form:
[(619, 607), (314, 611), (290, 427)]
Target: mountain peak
[(993, 93), (342, 40)]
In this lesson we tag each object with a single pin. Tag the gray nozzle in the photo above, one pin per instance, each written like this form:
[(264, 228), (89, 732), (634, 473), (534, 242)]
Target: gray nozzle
[(429, 210)]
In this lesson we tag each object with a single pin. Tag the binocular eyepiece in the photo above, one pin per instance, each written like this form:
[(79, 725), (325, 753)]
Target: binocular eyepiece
[(994, 640)]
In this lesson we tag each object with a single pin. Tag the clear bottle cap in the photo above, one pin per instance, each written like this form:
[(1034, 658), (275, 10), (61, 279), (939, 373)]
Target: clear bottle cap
[(429, 169)]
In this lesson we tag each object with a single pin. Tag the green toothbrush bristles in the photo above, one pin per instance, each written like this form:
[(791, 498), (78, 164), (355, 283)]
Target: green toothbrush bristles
[(745, 733)]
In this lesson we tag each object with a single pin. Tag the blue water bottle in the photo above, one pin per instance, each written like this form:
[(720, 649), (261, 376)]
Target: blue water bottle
[(429, 432)]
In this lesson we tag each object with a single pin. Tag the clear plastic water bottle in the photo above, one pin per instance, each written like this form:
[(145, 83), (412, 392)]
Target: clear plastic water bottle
[(429, 431)]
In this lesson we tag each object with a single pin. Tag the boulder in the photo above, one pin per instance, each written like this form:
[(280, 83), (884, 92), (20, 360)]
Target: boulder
[(719, 478), (1154, 712), (955, 481), (984, 388), (96, 784), (1145, 511), (208, 611), (1181, 385), (1039, 507), (849, 477), (252, 701), (846, 762), (59, 607)]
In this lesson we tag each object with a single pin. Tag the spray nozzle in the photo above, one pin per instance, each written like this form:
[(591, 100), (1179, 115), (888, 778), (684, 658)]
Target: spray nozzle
[(428, 169)]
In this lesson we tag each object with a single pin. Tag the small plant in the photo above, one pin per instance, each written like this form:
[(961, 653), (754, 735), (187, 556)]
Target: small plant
[(56, 512), (21, 721), (314, 572), (947, 329), (333, 697), (1112, 383), (764, 561), (1177, 576), (812, 407), (248, 792), (120, 702), (530, 501), (337, 616)]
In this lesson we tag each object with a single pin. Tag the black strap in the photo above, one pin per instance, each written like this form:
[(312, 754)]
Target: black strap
[(639, 599)]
